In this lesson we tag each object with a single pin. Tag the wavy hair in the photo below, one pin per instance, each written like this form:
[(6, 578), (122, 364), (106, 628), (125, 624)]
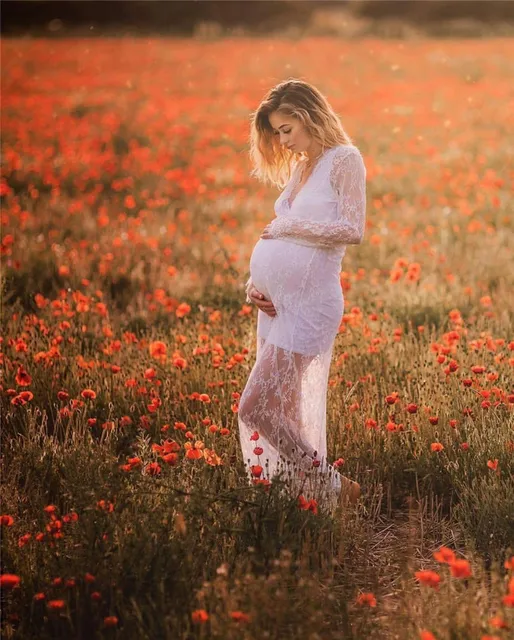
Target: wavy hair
[(294, 98)]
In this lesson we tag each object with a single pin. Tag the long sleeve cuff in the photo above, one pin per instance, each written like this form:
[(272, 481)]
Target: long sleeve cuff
[(323, 234)]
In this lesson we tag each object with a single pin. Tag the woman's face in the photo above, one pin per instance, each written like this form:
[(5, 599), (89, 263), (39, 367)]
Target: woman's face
[(290, 132)]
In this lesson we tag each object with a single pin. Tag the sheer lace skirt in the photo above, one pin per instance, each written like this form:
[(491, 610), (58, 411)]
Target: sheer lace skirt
[(282, 420)]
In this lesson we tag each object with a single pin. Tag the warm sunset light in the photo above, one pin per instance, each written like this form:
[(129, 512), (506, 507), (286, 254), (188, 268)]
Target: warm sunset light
[(258, 321)]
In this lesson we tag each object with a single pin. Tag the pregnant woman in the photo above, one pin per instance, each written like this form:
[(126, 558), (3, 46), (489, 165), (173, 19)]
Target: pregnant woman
[(299, 144)]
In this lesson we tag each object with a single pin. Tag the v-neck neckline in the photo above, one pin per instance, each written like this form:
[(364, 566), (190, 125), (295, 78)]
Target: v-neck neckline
[(290, 204)]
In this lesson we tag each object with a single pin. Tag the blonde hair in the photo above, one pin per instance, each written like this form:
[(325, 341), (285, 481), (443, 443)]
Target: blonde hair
[(299, 99)]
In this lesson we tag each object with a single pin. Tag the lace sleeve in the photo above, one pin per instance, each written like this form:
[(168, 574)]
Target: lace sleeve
[(348, 179), (247, 288)]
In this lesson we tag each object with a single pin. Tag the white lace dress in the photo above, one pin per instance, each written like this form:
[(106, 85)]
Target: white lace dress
[(282, 410)]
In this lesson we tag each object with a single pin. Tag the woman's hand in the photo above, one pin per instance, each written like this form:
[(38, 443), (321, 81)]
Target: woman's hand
[(261, 302), (267, 234)]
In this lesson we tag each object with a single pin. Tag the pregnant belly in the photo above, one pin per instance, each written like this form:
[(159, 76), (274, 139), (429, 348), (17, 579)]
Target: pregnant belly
[(279, 268)]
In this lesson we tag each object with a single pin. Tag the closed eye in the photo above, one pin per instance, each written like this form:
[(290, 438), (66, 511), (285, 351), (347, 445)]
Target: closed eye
[(277, 132)]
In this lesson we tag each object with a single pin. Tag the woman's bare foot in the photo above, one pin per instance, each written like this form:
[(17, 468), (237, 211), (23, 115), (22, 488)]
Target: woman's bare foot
[(350, 492)]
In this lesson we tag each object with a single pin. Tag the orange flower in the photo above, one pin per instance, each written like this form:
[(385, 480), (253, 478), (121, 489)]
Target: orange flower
[(444, 555), (436, 446), (110, 621), (153, 469), (170, 446), (170, 458), (371, 424), (493, 464), (307, 505), (182, 310), (509, 564), (428, 578), (478, 368), (108, 507), (401, 262), (211, 457), (180, 363), (9, 581), (199, 616), (88, 394), (22, 377), (262, 481), (193, 453), (56, 605), (508, 600), (22, 540), (256, 470), (426, 635), (460, 569), (245, 310), (498, 623), (157, 349), (313, 506), (239, 616), (6, 521), (367, 599)]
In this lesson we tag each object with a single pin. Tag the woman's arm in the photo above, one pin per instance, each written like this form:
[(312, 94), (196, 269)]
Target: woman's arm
[(348, 179)]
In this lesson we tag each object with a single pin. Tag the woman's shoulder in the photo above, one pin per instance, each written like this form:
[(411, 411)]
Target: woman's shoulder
[(346, 160), (346, 155), (344, 150)]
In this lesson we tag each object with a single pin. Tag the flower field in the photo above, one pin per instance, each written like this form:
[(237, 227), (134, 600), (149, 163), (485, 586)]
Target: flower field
[(128, 220)]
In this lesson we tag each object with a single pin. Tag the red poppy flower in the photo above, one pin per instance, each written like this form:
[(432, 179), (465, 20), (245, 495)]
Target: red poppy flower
[(428, 578), (256, 470), (9, 581), (460, 569), (367, 599), (199, 616)]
